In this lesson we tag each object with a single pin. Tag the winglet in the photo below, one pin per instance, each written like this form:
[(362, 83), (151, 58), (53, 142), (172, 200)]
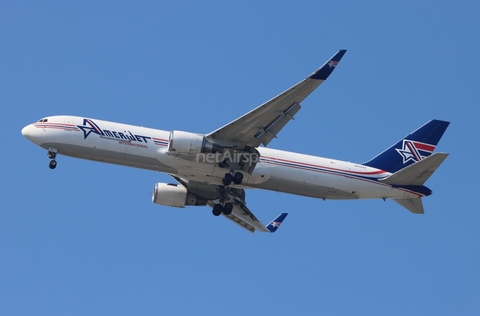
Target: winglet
[(275, 224), (323, 72)]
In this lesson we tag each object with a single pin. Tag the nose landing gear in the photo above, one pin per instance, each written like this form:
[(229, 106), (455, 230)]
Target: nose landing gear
[(52, 154)]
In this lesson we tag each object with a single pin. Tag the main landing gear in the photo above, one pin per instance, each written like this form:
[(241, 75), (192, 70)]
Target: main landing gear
[(236, 178), (52, 154), (225, 209)]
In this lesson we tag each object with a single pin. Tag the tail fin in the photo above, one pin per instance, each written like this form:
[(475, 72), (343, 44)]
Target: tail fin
[(412, 148)]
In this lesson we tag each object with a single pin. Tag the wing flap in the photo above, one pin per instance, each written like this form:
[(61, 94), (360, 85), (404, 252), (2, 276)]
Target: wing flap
[(243, 217), (274, 127)]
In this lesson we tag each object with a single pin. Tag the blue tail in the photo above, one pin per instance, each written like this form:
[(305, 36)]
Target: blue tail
[(412, 148), (273, 225)]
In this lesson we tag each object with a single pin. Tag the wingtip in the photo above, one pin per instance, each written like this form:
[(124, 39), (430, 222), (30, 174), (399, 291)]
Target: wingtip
[(275, 224), (323, 72)]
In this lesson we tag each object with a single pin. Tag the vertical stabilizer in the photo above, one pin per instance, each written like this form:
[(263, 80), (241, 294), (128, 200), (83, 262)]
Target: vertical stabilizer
[(412, 148)]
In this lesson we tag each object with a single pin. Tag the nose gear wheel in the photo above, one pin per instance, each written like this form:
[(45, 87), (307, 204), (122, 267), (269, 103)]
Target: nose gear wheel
[(52, 164), (52, 154)]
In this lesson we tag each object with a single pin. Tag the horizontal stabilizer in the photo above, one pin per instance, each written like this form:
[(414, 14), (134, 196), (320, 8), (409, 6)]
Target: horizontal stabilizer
[(416, 174), (413, 205)]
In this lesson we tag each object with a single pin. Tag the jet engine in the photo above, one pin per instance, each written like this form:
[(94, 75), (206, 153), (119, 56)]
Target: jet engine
[(191, 144), (175, 195)]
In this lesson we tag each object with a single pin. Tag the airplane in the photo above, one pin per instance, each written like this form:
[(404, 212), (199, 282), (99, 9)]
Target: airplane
[(216, 169)]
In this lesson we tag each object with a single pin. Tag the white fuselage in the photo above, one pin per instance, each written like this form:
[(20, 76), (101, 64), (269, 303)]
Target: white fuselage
[(147, 148)]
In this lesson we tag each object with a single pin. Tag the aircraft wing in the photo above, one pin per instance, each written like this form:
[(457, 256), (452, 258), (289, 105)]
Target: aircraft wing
[(240, 215), (244, 218), (262, 124)]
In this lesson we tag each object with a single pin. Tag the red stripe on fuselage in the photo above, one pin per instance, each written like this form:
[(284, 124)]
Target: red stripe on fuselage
[(334, 173), (326, 172), (318, 166)]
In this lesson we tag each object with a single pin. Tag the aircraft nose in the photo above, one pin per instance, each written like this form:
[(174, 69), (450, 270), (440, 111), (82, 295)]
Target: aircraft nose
[(26, 132)]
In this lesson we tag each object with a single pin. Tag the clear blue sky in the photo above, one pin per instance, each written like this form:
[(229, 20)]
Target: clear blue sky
[(85, 239)]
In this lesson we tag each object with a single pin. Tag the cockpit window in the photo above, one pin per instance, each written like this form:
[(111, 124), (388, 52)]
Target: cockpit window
[(42, 120)]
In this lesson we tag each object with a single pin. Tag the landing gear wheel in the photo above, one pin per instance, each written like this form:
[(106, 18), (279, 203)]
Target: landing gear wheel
[(227, 208), (217, 209), (237, 177), (52, 164), (227, 180)]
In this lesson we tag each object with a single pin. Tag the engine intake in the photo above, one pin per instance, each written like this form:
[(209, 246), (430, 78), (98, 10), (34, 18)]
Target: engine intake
[(175, 195), (191, 144)]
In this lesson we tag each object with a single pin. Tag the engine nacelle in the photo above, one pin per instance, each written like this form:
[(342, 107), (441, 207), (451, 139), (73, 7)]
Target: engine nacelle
[(175, 195), (190, 144)]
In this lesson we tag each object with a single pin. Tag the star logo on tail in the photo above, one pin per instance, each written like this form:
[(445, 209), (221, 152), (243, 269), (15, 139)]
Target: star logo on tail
[(414, 151)]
